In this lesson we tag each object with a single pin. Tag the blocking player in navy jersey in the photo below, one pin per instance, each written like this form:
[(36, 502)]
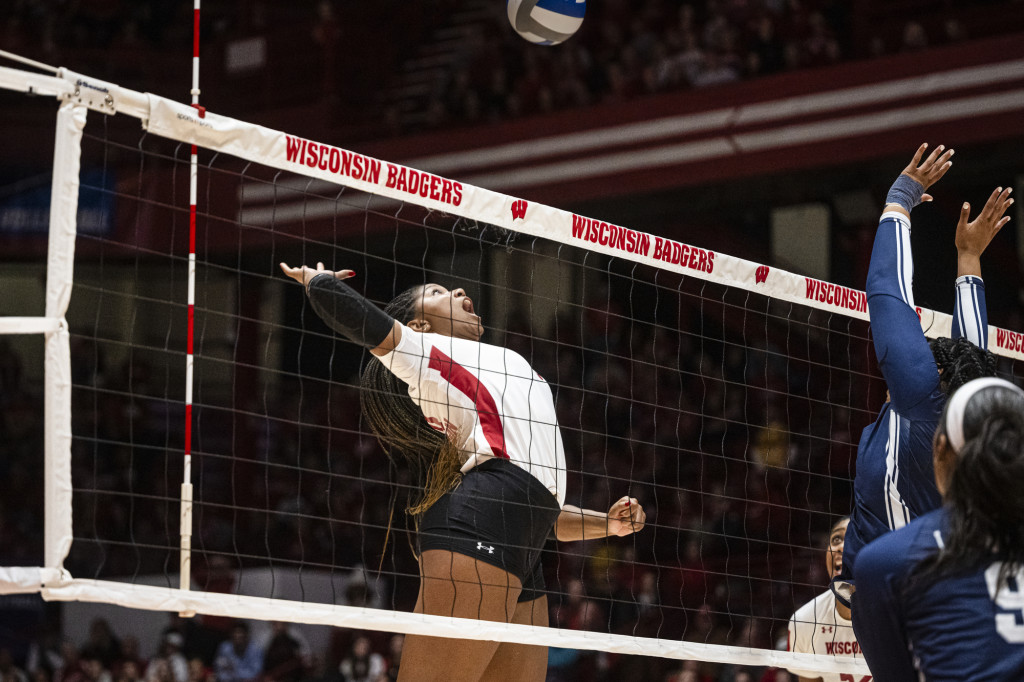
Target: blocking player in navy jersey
[(942, 599), (822, 625), (894, 482), (477, 426)]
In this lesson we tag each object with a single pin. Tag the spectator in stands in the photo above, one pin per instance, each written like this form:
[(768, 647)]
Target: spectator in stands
[(954, 31), (129, 655), (159, 671), (8, 671), (717, 70), (239, 659), (362, 664), (128, 671), (102, 643), (93, 668), (688, 671), (706, 627), (767, 46), (914, 37), (44, 654), (820, 48), (71, 668), (169, 656), (578, 612), (199, 672), (287, 656), (394, 657), (743, 675)]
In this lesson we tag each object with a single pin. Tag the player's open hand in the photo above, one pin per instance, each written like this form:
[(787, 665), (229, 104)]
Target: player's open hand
[(626, 516), (929, 171), (972, 238), (304, 274)]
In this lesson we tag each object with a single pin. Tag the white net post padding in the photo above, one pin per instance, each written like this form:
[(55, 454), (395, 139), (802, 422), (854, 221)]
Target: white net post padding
[(71, 119), (59, 275), (275, 149)]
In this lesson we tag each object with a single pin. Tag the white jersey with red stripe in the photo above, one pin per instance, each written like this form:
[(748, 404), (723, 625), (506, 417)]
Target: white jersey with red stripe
[(486, 397), (817, 628)]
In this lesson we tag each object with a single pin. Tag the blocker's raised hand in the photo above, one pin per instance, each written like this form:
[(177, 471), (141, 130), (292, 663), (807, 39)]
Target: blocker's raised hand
[(974, 237), (929, 171), (304, 274)]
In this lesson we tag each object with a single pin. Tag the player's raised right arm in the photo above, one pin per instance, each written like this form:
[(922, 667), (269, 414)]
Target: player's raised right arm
[(345, 310), (900, 346)]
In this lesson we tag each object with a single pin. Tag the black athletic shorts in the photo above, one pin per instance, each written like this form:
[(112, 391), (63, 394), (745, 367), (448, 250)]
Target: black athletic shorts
[(500, 514)]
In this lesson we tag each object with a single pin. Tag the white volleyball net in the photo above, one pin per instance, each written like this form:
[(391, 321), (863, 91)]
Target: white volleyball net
[(725, 395)]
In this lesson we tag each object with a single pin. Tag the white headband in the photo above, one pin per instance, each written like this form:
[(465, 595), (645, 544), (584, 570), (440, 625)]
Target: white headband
[(958, 405)]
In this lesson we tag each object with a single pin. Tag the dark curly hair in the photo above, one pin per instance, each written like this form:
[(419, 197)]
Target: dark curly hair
[(960, 361)]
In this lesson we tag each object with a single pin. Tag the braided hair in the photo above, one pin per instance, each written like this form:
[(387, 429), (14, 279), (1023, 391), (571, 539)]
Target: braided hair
[(986, 509), (433, 460), (960, 361)]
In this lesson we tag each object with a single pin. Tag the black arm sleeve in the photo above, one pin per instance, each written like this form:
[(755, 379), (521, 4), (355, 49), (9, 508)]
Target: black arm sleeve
[(348, 312)]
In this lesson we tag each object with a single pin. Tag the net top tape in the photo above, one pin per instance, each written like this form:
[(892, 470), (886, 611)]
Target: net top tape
[(181, 122), (337, 615)]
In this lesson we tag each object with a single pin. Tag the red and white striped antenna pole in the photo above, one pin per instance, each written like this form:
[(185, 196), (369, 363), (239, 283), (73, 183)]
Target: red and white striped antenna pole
[(186, 486)]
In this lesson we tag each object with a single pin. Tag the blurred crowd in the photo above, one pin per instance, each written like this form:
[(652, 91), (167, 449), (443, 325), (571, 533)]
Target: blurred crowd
[(214, 650), (187, 652), (626, 49), (49, 29), (632, 49)]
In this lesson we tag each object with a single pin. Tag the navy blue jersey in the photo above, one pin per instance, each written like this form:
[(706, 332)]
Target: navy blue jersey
[(895, 482), (966, 627)]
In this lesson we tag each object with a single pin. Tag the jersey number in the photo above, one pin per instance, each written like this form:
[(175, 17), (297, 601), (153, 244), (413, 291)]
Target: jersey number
[(847, 677), (1009, 597)]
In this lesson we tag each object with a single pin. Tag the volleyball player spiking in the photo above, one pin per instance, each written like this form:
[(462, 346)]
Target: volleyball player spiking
[(491, 464)]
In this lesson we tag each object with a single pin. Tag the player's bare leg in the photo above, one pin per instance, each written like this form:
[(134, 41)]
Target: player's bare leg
[(457, 585), (521, 662)]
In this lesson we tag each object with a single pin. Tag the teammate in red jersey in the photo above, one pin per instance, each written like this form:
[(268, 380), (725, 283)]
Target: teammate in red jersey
[(823, 625)]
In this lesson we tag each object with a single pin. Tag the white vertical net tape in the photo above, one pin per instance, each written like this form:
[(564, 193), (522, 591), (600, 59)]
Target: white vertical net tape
[(721, 393)]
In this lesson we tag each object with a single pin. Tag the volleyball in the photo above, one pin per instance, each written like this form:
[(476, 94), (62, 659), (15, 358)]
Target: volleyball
[(546, 22)]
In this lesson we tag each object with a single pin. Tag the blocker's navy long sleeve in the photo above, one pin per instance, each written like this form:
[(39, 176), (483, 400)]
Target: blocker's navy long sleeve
[(895, 480)]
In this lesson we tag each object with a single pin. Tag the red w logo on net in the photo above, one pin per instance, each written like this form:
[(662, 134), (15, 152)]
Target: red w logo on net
[(762, 274), (519, 209)]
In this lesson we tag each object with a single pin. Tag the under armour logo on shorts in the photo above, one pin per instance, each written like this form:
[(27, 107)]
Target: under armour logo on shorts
[(481, 546)]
